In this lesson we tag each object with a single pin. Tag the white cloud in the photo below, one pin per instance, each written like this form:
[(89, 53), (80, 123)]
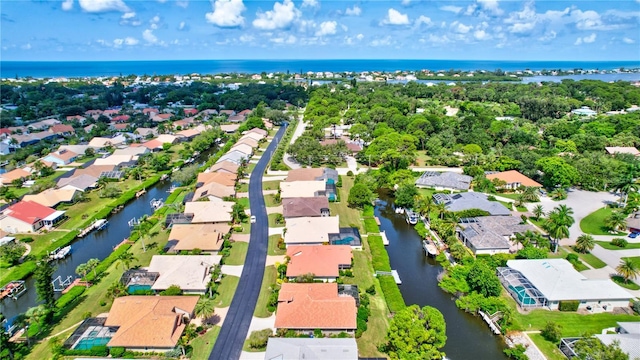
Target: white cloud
[(451, 8), (395, 17), (354, 11), (226, 13), (481, 35), (148, 36), (522, 28), (359, 36), (310, 3), (26, 46), (628, 40), (522, 21), (130, 41), (183, 3), (284, 40), (385, 41), (471, 9), (97, 6), (424, 20), (67, 5), (182, 25), (586, 39), (118, 42), (246, 38), (327, 28), (548, 36), (460, 28), (281, 17), (438, 39), (128, 15), (406, 2), (491, 6)]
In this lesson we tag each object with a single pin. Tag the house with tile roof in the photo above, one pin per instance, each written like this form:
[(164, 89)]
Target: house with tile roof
[(310, 230), (229, 128), (61, 157), (491, 234), (14, 174), (222, 178), (471, 200), (54, 197), (214, 190), (153, 145), (234, 156), (62, 130), (209, 211), (82, 182), (305, 207), (302, 189), (323, 261), (311, 348), (249, 141), (192, 273), (225, 166), (612, 150), (312, 174), (206, 237), (28, 216), (310, 306), (261, 132), (149, 323), (252, 135), (513, 179)]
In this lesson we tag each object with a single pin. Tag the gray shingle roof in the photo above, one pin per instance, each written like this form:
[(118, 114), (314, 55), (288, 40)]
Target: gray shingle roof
[(448, 180), (471, 200), (491, 232)]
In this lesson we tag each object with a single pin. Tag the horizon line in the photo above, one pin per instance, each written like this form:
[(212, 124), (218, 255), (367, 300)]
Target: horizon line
[(335, 59)]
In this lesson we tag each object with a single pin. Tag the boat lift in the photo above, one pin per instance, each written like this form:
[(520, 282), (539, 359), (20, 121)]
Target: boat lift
[(59, 284)]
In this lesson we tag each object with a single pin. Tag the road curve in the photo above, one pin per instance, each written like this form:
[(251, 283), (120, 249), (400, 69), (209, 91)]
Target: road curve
[(236, 324)]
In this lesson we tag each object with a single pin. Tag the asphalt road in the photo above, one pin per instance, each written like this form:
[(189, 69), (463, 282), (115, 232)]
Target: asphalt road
[(236, 325)]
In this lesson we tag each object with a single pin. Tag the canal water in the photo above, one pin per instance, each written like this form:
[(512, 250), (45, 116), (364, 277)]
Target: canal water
[(98, 244), (468, 337)]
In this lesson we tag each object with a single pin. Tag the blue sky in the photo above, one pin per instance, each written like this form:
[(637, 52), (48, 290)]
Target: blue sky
[(319, 29)]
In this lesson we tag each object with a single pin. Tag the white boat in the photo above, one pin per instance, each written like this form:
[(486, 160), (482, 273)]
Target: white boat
[(164, 177), (399, 210), (13, 290), (412, 217), (156, 204), (60, 253), (101, 224), (429, 248)]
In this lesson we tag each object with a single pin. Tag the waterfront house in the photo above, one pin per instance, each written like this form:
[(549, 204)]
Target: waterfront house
[(222, 178), (116, 161), (149, 323), (61, 157), (252, 135), (311, 348), (444, 181), (311, 174), (229, 128), (310, 230), (54, 197), (513, 179), (206, 237), (311, 306), (612, 150), (258, 131), (189, 134), (323, 261), (167, 139), (82, 182), (209, 211), (153, 145), (243, 148), (225, 166), (27, 217), (8, 177), (96, 171), (626, 335), (192, 273), (471, 200), (544, 283), (234, 156), (236, 119), (302, 189), (305, 207), (249, 141), (490, 234), (134, 151), (214, 190)]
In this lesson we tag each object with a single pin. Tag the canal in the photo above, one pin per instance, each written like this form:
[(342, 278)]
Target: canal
[(98, 244), (468, 337)]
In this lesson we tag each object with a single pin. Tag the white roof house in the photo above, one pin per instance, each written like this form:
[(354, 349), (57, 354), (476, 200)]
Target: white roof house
[(191, 273), (310, 230), (546, 282), (209, 211), (317, 348), (301, 188)]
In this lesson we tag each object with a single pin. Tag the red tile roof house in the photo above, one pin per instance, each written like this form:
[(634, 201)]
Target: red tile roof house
[(323, 261), (191, 111), (111, 112), (120, 118), (310, 306), (122, 126), (161, 117), (150, 111), (27, 217), (62, 130)]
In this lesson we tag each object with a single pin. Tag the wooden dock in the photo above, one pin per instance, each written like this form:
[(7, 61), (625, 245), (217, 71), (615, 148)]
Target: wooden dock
[(76, 282), (385, 241), (393, 273)]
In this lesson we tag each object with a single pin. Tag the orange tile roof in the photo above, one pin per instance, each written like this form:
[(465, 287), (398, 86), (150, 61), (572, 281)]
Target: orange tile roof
[(513, 176), (314, 306), (222, 178), (9, 176), (320, 260), (153, 144), (149, 321)]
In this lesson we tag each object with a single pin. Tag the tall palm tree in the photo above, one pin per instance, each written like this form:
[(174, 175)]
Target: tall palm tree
[(538, 211), (205, 308), (530, 194), (616, 221), (126, 258), (558, 222), (424, 205), (627, 269), (585, 243), (626, 185), (441, 208)]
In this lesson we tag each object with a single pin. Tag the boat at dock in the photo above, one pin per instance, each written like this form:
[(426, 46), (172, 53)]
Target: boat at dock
[(172, 189), (141, 192), (13, 290), (429, 248), (156, 204), (101, 224), (411, 217), (98, 224), (60, 253), (164, 177)]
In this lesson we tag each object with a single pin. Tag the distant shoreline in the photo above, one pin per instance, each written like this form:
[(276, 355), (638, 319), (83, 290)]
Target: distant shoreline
[(79, 69)]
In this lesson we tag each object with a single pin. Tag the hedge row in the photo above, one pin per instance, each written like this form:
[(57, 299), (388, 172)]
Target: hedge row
[(70, 296), (392, 294), (104, 264), (276, 160), (379, 256), (371, 226)]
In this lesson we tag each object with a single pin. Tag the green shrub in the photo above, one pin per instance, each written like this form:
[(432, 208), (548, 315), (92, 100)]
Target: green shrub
[(116, 351), (371, 290), (572, 258), (258, 339), (349, 173), (70, 296), (392, 294), (380, 258), (469, 213), (619, 242), (552, 332), (367, 211), (27, 240), (371, 226), (517, 352), (568, 305)]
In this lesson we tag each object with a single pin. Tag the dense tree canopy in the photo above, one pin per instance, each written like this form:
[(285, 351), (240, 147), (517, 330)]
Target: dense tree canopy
[(416, 333)]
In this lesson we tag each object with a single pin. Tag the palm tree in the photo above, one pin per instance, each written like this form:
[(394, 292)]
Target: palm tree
[(530, 194), (142, 229), (585, 243), (116, 290), (558, 222), (625, 186), (424, 205), (92, 264), (82, 270), (627, 269), (126, 258), (205, 308), (538, 211), (441, 208), (617, 220)]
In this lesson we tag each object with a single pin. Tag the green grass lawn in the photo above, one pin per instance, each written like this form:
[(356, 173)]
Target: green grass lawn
[(237, 254), (271, 185), (272, 248), (244, 202), (512, 196), (608, 246), (272, 221), (269, 278), (549, 349), (270, 200), (625, 284), (250, 167), (590, 259), (226, 290), (243, 187), (635, 260), (422, 157), (348, 216), (594, 222), (202, 345)]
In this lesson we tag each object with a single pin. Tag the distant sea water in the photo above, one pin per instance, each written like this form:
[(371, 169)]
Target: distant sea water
[(43, 69)]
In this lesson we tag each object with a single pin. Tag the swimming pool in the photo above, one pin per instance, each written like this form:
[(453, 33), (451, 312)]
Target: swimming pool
[(523, 297), (344, 241), (133, 288), (88, 343)]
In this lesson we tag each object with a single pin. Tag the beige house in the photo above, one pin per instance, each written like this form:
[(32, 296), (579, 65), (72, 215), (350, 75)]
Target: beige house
[(225, 166), (204, 236), (214, 190), (53, 197), (243, 148), (310, 230), (302, 189), (191, 273), (209, 211)]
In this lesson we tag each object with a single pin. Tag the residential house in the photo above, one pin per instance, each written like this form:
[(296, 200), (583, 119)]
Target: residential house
[(227, 112), (471, 200), (8, 177), (311, 348), (252, 135), (81, 182), (249, 141), (28, 216), (144, 132), (120, 119), (206, 237), (119, 126), (444, 181), (311, 174), (258, 131), (161, 117), (5, 149), (513, 179), (167, 139), (103, 142), (153, 145), (93, 170), (544, 283), (323, 261), (190, 111), (150, 111), (209, 212), (61, 157), (612, 150), (491, 234), (214, 190), (245, 113), (234, 156), (310, 230), (305, 207), (78, 149), (111, 112), (243, 148), (302, 189), (229, 128), (116, 160), (134, 151), (80, 119), (225, 166), (222, 178), (54, 197), (306, 307), (62, 130), (192, 273), (44, 124), (149, 323), (188, 134)]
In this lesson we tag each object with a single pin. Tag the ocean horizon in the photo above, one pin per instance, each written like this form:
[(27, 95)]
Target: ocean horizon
[(49, 69)]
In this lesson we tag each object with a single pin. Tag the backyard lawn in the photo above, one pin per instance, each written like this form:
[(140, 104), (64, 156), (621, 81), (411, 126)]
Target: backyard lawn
[(226, 290), (348, 216), (272, 248), (269, 278), (590, 259), (594, 222), (270, 200), (237, 254), (635, 260), (202, 345), (271, 185), (549, 349)]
